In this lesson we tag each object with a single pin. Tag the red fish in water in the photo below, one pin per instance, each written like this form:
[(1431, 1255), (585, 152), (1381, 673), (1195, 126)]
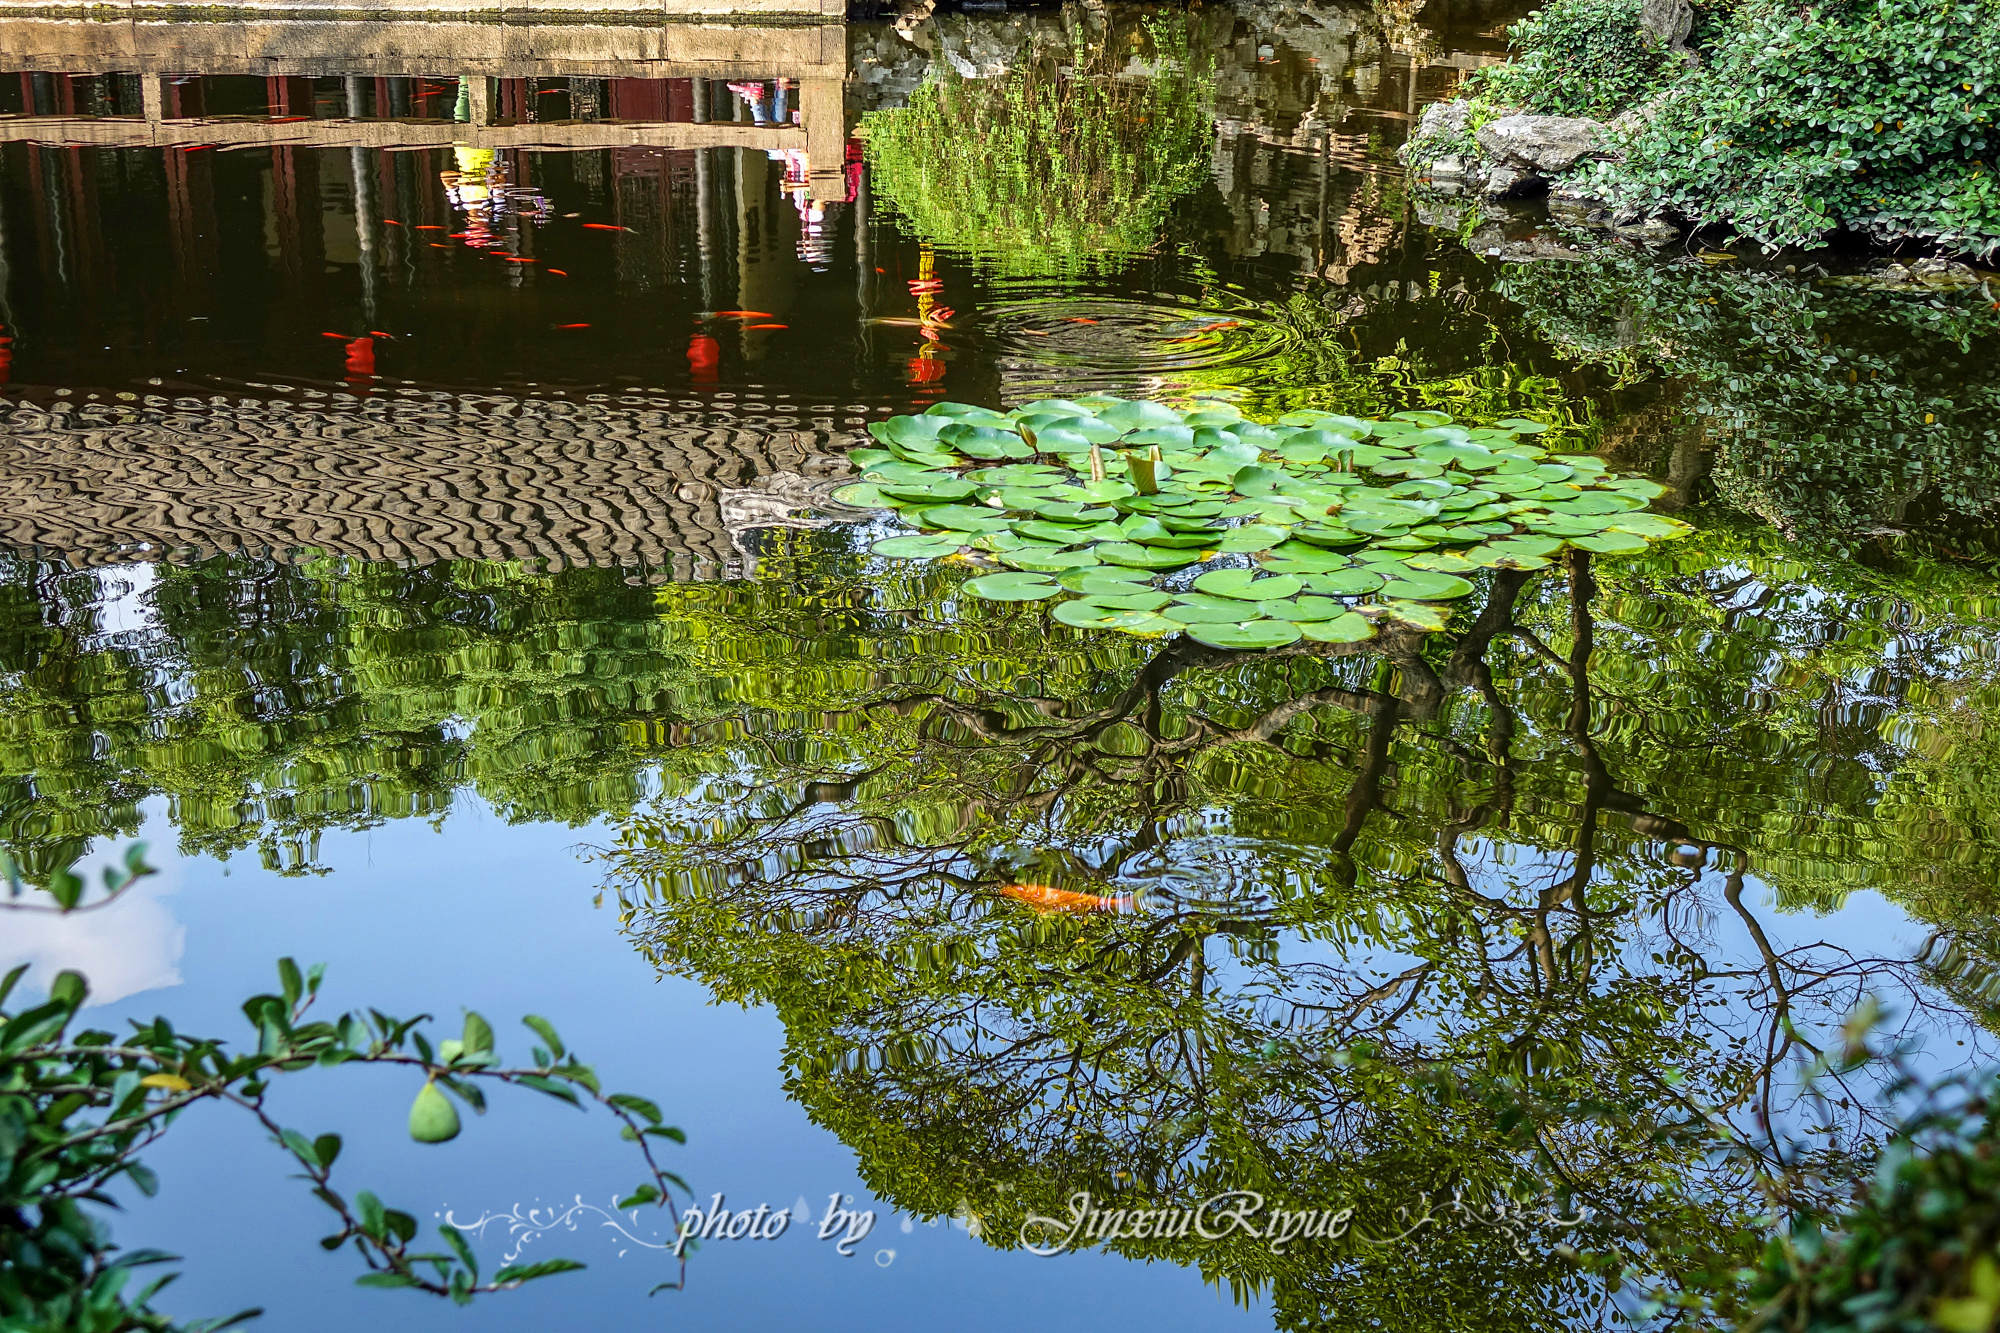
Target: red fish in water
[(516, 259), (744, 314), (377, 333), (559, 273), (1043, 898), (767, 326), (342, 336), (423, 227), (391, 222), (1077, 319), (572, 326), (603, 226)]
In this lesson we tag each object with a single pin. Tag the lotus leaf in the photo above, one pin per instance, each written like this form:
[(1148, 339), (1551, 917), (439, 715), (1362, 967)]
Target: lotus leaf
[(1345, 628), (1083, 615), (1344, 582), (1250, 636), (962, 518), (1187, 613), (1110, 579), (1302, 609), (1148, 600), (1246, 585), (915, 548), (1143, 557), (1424, 585), (862, 495), (1610, 543)]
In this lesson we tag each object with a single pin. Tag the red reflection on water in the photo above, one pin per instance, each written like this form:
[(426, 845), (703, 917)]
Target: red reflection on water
[(704, 358)]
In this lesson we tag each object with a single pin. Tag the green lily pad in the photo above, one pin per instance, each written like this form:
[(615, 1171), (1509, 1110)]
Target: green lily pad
[(1250, 636), (936, 492), (1610, 543), (1344, 582), (1150, 599), (1294, 558), (1109, 579), (1143, 557), (862, 495), (1425, 616), (1245, 585), (1082, 615), (1043, 560), (1251, 538), (1016, 587), (985, 442), (1423, 585), (1654, 527), (962, 518), (1187, 613), (1345, 628), (916, 548), (1302, 609)]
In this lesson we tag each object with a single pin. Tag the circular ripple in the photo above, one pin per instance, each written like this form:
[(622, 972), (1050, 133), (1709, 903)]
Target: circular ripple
[(1063, 345)]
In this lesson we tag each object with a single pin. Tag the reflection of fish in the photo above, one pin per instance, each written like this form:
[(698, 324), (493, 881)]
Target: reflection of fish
[(1045, 899)]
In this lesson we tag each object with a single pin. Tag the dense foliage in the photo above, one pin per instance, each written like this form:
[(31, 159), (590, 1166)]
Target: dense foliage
[(78, 1106), (1577, 58), (1873, 116)]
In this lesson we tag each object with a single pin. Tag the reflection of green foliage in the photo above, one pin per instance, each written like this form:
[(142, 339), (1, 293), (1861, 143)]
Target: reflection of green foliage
[(1834, 409), (1449, 352), (1386, 946), (1042, 171)]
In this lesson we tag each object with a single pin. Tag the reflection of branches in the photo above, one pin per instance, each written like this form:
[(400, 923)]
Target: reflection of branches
[(1436, 884)]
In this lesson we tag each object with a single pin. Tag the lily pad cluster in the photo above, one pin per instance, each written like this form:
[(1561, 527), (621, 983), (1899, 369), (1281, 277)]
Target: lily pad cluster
[(1340, 523)]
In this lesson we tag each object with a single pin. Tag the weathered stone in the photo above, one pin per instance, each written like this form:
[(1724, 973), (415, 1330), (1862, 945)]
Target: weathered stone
[(1507, 183), (1667, 22), (1443, 122), (1545, 144)]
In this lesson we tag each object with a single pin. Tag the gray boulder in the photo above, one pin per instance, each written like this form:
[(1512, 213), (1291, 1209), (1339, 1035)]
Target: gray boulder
[(1542, 145)]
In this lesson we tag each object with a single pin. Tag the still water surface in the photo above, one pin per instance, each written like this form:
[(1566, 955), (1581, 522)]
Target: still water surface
[(510, 651)]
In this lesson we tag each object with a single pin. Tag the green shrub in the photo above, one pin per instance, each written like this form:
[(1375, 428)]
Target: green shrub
[(1578, 58), (1871, 115)]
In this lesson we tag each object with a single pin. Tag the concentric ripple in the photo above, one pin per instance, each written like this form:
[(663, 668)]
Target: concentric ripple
[(1060, 345)]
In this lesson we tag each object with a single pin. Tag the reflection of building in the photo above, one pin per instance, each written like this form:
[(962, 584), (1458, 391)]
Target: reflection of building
[(631, 483), (410, 84)]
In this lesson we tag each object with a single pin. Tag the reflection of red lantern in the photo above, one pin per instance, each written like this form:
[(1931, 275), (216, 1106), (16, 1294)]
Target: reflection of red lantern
[(925, 369), (6, 358), (704, 356), (361, 364)]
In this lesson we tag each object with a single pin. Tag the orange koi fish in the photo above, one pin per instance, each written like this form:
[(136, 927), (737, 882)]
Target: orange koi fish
[(559, 273), (1045, 899), (1078, 319)]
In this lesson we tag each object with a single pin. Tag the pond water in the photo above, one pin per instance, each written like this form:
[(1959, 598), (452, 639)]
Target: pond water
[(429, 549)]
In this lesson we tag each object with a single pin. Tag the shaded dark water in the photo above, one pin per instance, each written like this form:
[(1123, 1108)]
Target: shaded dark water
[(474, 564)]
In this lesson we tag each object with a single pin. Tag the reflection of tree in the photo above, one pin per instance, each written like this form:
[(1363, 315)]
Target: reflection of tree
[(1834, 409), (1416, 921), (1064, 163)]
